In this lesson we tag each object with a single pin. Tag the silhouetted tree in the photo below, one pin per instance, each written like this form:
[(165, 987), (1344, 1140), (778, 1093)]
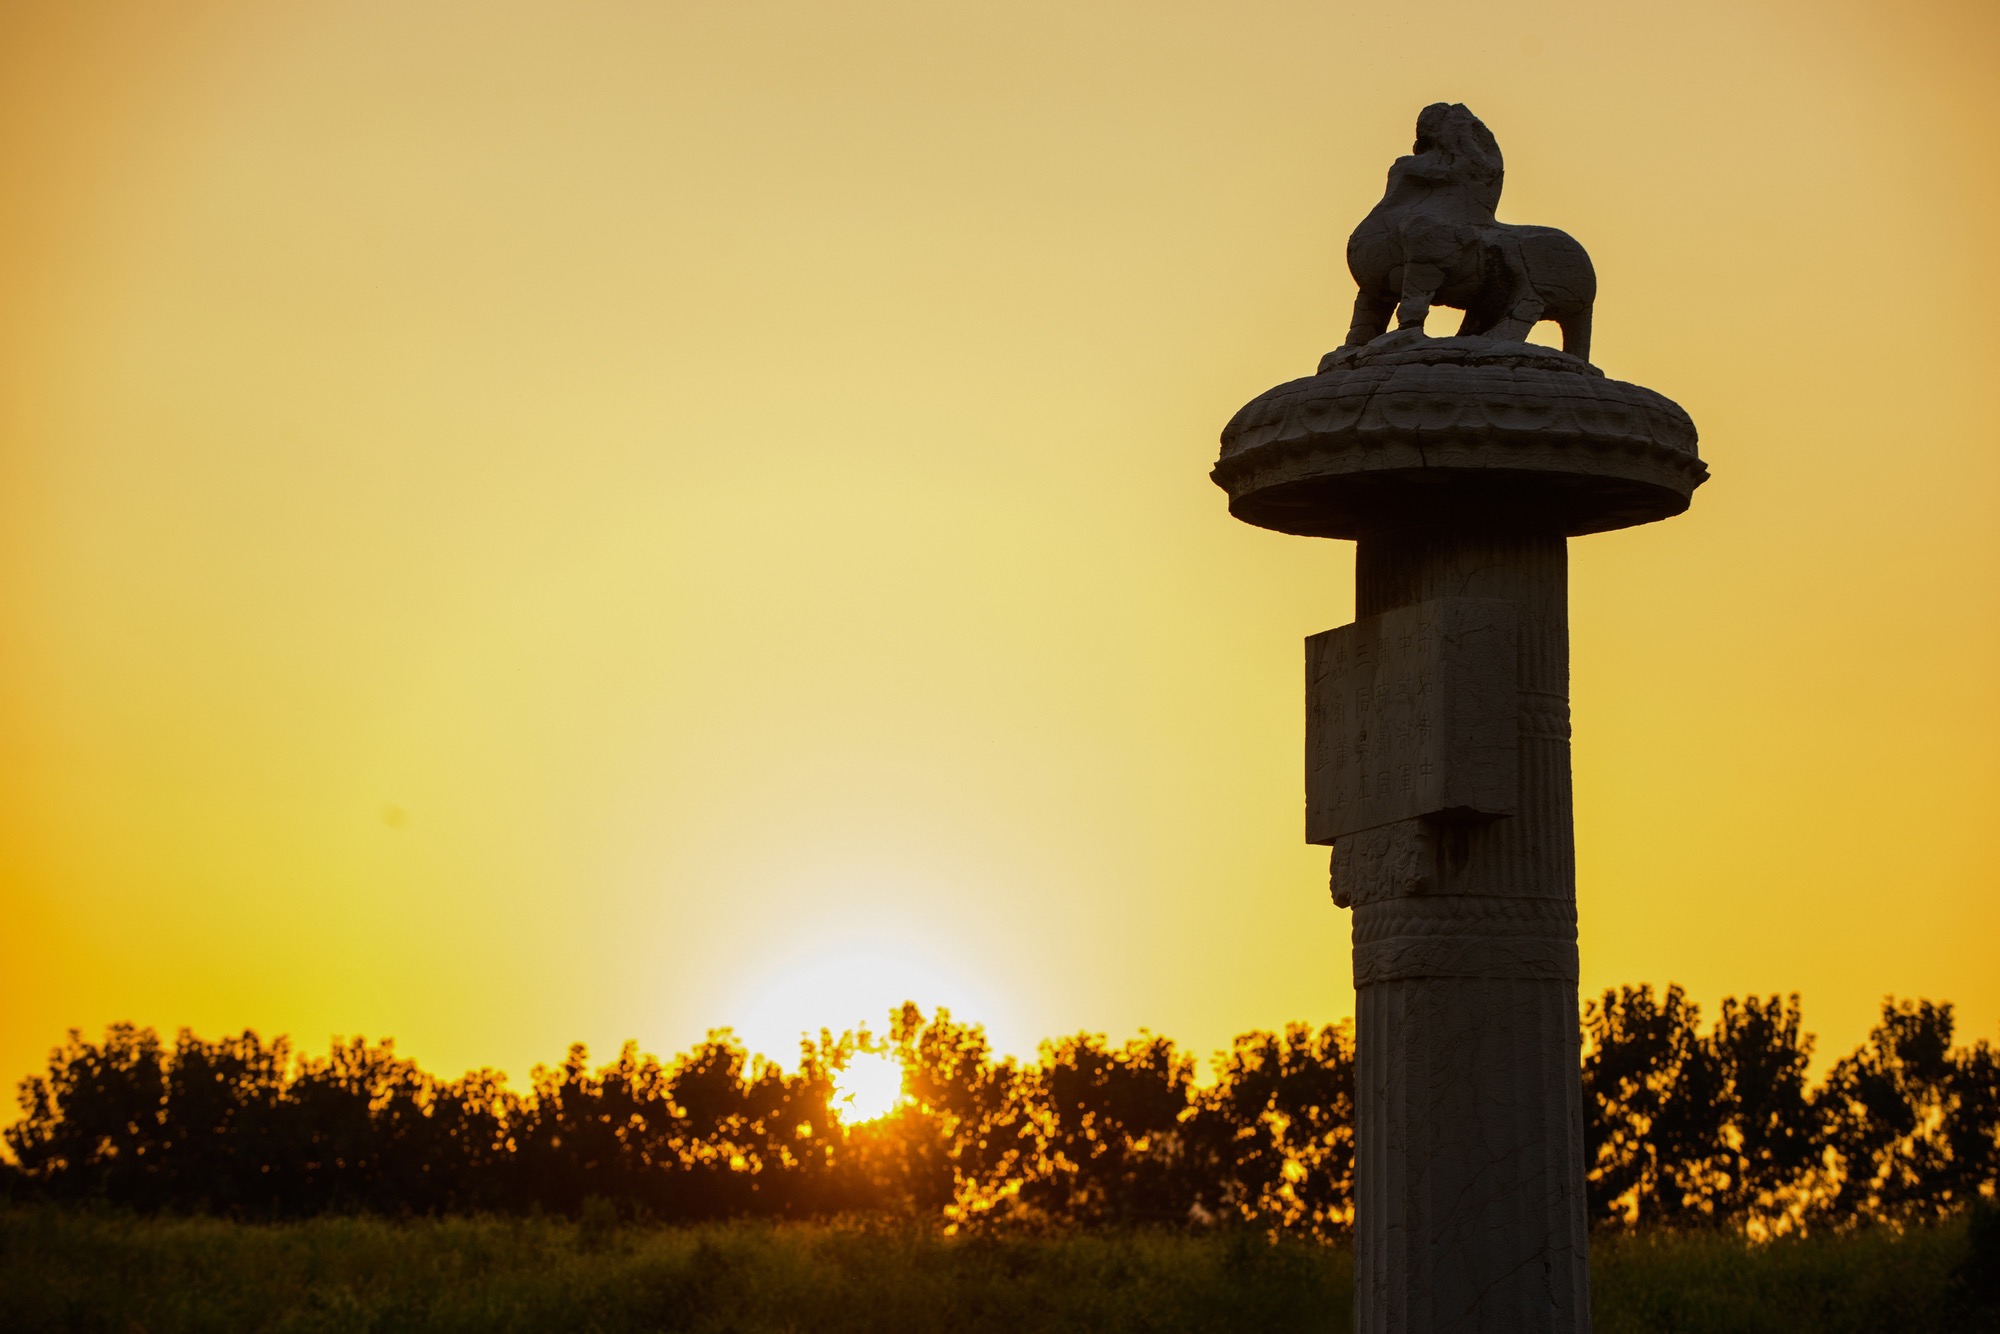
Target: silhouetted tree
[(92, 1128), (736, 1115), (1651, 1092), (1766, 1145), (604, 1134), (224, 1126), (469, 1125), (713, 1135), (969, 1132), (1912, 1126), (1279, 1125), (1686, 1127), (1114, 1147)]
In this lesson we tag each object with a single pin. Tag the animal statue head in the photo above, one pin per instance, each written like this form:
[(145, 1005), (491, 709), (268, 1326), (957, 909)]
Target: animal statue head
[(1434, 240), (1467, 145)]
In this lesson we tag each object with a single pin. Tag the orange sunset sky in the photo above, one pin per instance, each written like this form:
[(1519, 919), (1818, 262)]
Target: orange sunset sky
[(533, 522)]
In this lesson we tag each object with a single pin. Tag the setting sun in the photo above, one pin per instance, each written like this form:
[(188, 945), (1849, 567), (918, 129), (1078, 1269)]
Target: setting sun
[(867, 1088)]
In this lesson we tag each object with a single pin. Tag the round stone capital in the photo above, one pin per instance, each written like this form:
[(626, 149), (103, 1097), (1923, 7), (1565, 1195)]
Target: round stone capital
[(1465, 430)]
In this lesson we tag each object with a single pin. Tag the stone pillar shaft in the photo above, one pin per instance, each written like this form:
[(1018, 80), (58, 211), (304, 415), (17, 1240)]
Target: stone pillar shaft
[(1469, 1184)]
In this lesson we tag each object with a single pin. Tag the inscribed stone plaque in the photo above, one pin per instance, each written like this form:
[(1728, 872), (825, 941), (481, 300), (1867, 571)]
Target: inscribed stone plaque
[(1411, 713)]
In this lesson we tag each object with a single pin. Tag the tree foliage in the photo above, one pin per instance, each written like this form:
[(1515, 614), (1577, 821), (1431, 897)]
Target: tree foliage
[(1686, 1127), (1692, 1128)]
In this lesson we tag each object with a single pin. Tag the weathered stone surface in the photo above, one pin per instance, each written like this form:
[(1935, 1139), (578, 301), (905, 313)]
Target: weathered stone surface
[(1411, 713), (1484, 434), (1469, 1169), (1390, 861), (1434, 240), (1401, 937), (1469, 1209)]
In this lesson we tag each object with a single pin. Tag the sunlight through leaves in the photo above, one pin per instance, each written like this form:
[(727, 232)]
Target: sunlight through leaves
[(868, 1087)]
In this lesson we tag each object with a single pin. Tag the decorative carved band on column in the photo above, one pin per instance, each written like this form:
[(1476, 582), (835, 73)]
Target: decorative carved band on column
[(1469, 937)]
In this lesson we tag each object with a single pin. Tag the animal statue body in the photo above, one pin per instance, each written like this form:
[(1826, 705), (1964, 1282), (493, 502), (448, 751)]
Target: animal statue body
[(1433, 240)]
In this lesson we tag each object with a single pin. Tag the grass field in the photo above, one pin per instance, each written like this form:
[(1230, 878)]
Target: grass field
[(70, 1270)]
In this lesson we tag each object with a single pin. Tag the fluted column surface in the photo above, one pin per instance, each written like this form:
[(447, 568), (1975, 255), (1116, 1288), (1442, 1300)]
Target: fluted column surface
[(1469, 1185)]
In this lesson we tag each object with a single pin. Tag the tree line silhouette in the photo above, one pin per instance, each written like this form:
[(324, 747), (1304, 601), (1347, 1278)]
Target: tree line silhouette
[(1686, 1127)]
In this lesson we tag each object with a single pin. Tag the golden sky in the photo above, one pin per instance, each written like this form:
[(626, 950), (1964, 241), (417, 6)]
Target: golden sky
[(534, 522)]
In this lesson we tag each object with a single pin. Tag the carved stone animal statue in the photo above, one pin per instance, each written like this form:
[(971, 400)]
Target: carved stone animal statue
[(1433, 240)]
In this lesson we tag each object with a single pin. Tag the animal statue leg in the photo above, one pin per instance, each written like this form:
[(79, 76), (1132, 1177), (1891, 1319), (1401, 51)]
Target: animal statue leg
[(1576, 333), (1420, 284), (1371, 317), (1521, 317)]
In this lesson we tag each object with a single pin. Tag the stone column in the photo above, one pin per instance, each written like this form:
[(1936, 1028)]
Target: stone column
[(1437, 767), (1470, 1176)]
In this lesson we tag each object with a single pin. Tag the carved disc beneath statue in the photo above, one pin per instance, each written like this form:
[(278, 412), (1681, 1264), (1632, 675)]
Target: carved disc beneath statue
[(1472, 430)]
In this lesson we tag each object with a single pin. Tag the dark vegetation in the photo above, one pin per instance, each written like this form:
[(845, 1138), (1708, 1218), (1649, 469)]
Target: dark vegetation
[(64, 1268), (1690, 1127)]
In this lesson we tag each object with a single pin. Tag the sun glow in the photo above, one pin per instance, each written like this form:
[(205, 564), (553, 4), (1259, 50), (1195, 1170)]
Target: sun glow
[(867, 1088), (854, 975)]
